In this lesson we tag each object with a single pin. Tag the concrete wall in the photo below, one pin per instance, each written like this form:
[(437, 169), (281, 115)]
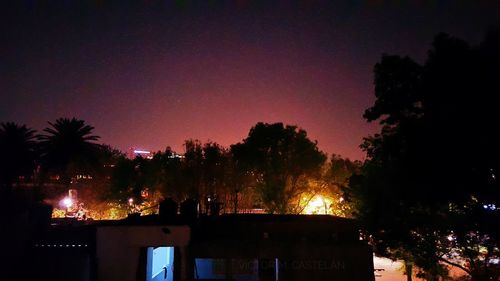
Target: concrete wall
[(121, 251), (298, 260)]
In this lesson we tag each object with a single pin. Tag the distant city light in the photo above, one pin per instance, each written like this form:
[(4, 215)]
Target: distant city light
[(491, 207), (141, 152), (176, 156)]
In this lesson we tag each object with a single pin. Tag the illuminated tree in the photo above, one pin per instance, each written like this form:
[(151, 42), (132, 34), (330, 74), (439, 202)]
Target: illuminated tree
[(281, 158), (326, 193)]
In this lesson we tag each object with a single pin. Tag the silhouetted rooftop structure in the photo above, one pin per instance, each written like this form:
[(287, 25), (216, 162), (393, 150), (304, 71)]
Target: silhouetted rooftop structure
[(225, 247)]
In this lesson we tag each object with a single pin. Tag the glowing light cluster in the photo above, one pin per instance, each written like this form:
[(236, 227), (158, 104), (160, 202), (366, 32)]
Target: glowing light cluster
[(67, 202), (491, 207), (319, 205)]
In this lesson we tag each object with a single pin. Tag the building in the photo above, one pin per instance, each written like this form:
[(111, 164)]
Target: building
[(137, 152), (245, 247)]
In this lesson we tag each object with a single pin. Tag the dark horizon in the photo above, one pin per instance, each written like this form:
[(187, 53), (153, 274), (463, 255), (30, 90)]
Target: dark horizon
[(154, 73)]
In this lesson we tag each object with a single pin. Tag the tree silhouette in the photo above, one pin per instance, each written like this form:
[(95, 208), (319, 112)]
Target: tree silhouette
[(18, 157), (172, 176), (192, 169), (68, 148), (214, 180), (432, 169), (238, 176)]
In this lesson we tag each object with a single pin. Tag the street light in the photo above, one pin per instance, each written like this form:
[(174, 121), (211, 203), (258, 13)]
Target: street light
[(67, 202)]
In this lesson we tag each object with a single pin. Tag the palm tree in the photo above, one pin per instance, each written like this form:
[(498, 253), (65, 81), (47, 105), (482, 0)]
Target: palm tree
[(18, 156), (68, 147)]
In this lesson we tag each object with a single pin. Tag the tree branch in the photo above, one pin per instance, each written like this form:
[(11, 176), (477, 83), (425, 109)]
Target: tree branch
[(454, 264)]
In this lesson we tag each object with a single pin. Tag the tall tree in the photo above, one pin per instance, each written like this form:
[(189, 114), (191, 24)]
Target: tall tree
[(129, 179), (19, 153), (335, 180), (238, 176), (172, 179), (192, 169), (68, 147), (432, 169), (214, 163), (280, 157)]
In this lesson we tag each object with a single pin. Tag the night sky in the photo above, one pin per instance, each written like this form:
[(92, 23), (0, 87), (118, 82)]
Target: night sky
[(154, 73)]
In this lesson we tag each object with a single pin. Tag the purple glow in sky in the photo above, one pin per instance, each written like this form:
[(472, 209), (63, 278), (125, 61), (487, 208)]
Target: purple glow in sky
[(154, 73)]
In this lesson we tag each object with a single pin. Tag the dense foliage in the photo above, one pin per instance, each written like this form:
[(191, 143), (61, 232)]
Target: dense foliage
[(429, 192), (276, 169)]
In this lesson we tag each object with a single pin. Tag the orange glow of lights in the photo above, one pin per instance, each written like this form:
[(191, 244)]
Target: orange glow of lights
[(317, 205)]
